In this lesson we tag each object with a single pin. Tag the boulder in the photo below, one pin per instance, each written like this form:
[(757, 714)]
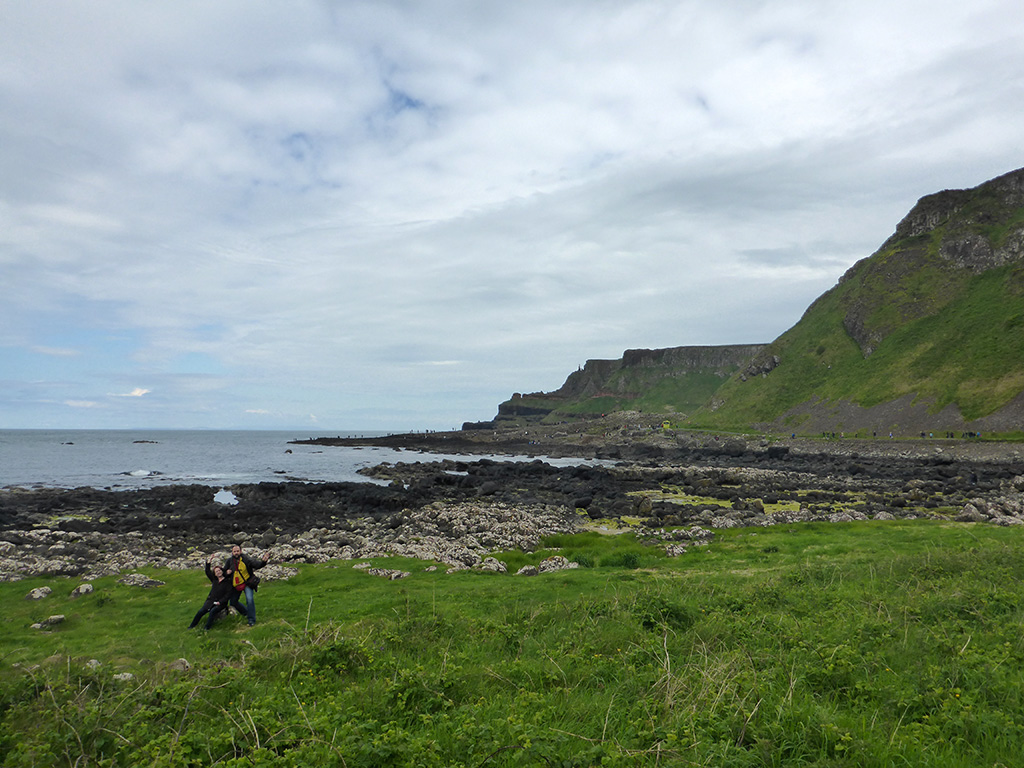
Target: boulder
[(139, 580), (556, 563), (493, 565), (388, 573), (971, 514), (81, 589)]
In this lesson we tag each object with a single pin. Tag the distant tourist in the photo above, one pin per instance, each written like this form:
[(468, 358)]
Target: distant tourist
[(241, 569), (220, 595)]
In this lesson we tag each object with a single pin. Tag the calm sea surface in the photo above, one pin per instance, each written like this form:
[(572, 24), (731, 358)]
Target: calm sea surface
[(124, 459), (144, 458)]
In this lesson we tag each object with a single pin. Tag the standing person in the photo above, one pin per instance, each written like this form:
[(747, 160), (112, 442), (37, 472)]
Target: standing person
[(241, 569), (220, 595)]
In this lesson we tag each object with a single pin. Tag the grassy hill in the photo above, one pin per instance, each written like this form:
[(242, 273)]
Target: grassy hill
[(674, 382), (856, 644), (934, 318)]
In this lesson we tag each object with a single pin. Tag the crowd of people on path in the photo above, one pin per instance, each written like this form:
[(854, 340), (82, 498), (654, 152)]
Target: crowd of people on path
[(228, 583)]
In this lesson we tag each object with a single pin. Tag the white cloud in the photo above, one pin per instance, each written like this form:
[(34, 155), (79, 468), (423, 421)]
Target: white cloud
[(402, 213), (137, 392), (56, 351)]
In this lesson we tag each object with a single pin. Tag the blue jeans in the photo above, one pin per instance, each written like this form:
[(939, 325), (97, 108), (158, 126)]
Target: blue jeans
[(250, 604)]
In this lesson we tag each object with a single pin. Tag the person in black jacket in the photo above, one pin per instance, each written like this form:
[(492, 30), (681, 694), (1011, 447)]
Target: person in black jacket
[(241, 571), (219, 597)]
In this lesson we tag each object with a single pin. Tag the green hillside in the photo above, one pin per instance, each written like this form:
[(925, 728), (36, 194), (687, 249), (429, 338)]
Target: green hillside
[(970, 354), (648, 390), (674, 382), (935, 316)]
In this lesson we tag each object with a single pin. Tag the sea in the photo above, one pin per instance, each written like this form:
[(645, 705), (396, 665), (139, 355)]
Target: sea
[(131, 459), (128, 459)]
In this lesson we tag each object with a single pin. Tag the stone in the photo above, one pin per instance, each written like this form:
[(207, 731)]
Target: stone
[(139, 580), (81, 589), (971, 514), (556, 563), (493, 565), (38, 593), (387, 573), (269, 538)]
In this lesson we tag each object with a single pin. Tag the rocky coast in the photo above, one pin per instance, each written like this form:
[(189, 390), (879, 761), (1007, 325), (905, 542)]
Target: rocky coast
[(674, 488)]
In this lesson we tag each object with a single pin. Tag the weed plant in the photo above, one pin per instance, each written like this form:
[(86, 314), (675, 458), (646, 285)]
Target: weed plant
[(855, 644)]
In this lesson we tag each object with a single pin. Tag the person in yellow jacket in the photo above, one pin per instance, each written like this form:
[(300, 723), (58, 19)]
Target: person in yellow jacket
[(241, 569)]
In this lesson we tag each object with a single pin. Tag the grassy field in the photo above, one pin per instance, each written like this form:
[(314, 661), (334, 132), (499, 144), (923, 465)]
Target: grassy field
[(855, 644)]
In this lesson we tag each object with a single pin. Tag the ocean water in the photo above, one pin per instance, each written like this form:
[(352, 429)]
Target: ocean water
[(124, 459)]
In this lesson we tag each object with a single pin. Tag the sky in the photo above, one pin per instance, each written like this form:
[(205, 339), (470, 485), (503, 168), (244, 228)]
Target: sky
[(391, 215)]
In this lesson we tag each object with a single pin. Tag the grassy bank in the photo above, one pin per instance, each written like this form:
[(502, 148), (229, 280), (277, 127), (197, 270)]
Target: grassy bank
[(859, 644)]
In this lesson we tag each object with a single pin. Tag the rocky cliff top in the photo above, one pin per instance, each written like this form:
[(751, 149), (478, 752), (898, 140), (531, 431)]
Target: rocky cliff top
[(979, 206)]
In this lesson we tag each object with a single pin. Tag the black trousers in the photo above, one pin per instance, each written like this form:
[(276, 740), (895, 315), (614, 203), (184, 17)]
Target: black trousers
[(211, 608)]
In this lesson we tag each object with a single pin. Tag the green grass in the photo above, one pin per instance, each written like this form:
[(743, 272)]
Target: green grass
[(861, 644), (654, 389), (591, 406)]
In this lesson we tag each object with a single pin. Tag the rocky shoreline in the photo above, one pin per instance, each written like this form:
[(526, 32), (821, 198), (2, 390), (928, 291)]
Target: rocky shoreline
[(630, 436), (671, 487)]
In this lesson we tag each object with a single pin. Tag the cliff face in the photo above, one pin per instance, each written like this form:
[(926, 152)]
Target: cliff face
[(720, 359), (612, 377), (980, 206), (672, 380)]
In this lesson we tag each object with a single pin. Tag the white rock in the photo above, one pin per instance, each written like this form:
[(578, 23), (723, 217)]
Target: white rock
[(81, 589)]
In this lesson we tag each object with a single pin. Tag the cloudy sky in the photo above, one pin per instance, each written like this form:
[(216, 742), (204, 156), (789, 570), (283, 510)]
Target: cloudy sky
[(393, 214)]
